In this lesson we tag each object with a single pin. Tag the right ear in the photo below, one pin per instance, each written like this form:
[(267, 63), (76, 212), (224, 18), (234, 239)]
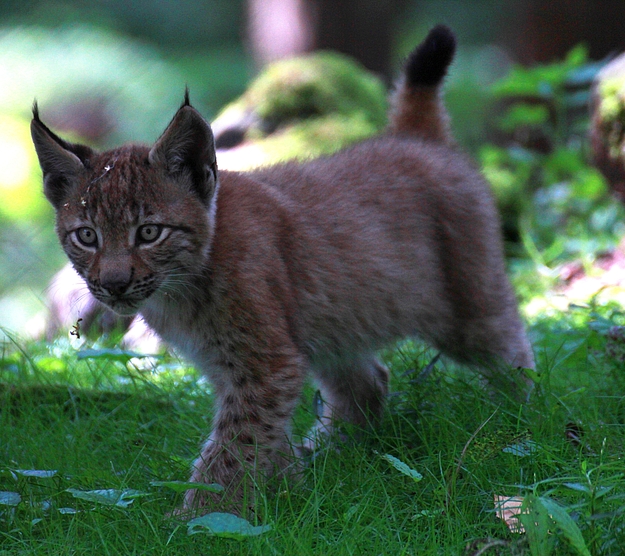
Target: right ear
[(61, 162), (187, 147)]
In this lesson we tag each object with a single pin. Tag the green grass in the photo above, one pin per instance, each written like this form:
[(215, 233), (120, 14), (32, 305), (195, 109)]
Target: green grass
[(425, 481), (108, 423)]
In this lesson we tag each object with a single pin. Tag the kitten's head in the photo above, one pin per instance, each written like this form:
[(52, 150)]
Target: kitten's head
[(133, 220)]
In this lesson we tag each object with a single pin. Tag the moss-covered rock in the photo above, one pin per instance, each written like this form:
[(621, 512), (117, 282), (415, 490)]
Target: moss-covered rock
[(299, 108)]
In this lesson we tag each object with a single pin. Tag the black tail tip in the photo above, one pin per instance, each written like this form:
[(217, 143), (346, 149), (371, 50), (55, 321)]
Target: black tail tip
[(428, 63)]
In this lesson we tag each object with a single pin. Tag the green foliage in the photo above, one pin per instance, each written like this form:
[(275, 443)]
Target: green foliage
[(609, 104), (110, 354), (317, 85), (563, 521), (548, 521), (104, 68), (544, 81), (97, 450), (519, 115), (536, 520), (550, 196), (182, 486)]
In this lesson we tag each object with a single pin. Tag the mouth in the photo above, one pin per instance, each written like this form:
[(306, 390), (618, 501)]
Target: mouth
[(126, 304), (123, 307)]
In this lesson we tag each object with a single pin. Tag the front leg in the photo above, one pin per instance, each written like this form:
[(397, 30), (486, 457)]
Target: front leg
[(255, 398)]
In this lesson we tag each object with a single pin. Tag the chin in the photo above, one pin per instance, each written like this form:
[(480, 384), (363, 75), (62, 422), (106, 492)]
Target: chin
[(123, 309)]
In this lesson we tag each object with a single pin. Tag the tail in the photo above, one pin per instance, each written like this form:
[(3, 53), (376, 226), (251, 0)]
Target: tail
[(416, 105)]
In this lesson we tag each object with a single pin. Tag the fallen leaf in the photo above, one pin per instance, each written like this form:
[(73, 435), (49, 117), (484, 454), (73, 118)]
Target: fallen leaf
[(8, 498), (109, 496), (403, 468), (520, 449), (68, 511), (225, 525), (508, 508), (41, 473)]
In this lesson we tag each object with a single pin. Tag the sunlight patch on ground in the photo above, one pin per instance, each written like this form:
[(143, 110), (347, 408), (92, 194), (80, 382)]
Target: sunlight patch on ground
[(602, 283)]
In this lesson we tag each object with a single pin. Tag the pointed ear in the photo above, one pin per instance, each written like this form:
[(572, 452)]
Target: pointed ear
[(60, 161), (187, 147)]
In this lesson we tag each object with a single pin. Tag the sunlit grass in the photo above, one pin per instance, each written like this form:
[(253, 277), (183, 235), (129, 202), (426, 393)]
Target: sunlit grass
[(78, 421), (115, 423)]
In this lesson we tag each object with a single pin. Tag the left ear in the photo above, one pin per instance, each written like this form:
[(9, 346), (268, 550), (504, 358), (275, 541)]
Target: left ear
[(187, 147), (62, 162)]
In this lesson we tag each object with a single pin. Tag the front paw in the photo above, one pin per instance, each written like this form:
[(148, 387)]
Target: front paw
[(198, 502), (219, 466), (241, 471)]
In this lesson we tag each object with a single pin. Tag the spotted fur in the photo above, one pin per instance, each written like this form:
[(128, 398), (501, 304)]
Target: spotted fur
[(264, 277)]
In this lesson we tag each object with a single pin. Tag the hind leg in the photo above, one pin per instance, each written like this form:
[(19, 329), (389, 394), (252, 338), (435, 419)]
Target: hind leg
[(352, 392), (514, 353), (499, 346)]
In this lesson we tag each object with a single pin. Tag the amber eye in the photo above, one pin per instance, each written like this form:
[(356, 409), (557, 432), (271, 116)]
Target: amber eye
[(87, 236), (149, 233)]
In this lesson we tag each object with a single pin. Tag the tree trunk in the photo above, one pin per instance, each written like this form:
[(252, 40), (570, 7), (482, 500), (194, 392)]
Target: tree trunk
[(360, 28)]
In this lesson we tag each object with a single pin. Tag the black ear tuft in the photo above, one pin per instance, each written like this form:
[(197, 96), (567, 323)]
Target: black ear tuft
[(186, 101), (428, 63), (83, 152)]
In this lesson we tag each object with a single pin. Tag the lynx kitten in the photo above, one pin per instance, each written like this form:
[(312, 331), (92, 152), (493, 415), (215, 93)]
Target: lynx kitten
[(260, 278)]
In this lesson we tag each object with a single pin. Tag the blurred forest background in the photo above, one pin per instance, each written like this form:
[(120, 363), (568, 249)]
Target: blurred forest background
[(108, 71)]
